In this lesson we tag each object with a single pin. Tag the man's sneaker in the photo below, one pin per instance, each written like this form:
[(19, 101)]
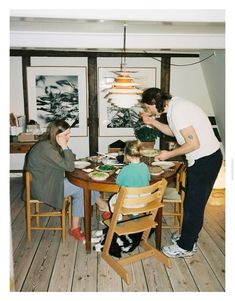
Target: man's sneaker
[(176, 252), (176, 237)]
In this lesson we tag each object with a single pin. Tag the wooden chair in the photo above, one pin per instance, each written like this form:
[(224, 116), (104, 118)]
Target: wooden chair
[(30, 213), (173, 199), (150, 197)]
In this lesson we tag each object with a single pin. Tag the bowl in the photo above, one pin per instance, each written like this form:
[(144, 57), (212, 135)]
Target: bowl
[(155, 170), (81, 164), (98, 175)]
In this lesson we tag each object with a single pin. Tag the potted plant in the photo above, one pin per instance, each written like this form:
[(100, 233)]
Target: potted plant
[(146, 134)]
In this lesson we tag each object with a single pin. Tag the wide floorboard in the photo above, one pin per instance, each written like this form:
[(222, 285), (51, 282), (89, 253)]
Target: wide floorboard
[(47, 265)]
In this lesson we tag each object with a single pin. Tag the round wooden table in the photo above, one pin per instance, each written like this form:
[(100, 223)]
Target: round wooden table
[(80, 178)]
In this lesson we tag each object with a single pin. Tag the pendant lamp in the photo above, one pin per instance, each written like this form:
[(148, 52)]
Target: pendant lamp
[(124, 92)]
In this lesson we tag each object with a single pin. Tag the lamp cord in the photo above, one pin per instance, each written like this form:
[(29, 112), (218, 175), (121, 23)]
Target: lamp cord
[(183, 65), (123, 57)]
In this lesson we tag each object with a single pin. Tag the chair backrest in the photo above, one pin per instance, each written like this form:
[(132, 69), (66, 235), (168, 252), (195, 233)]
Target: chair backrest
[(182, 184), (181, 179), (142, 200)]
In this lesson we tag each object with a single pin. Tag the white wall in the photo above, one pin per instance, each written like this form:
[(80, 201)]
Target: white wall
[(214, 74), (202, 83), (16, 86), (189, 82)]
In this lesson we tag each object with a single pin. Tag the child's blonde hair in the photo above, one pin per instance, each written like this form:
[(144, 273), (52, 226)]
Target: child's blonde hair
[(133, 148)]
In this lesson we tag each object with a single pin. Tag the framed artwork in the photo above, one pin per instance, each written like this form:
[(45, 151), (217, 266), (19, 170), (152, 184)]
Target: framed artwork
[(115, 121), (58, 93)]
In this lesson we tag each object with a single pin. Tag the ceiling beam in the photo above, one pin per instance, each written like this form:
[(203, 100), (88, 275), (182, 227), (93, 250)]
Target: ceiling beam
[(60, 53)]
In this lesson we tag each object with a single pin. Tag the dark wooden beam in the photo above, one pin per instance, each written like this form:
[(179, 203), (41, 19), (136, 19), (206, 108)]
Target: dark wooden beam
[(25, 64), (165, 74), (93, 122), (72, 53)]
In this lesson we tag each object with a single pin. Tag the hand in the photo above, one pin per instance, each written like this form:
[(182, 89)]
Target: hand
[(147, 119), (164, 155), (61, 140)]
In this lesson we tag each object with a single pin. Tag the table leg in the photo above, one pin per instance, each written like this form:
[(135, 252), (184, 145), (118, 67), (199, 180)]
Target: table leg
[(87, 218), (158, 229)]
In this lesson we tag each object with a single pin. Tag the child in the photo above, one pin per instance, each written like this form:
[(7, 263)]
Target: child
[(134, 174)]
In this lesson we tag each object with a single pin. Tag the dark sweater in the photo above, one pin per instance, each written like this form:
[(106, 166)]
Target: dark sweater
[(48, 168)]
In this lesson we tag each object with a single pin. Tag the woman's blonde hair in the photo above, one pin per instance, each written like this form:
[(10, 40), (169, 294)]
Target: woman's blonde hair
[(133, 148)]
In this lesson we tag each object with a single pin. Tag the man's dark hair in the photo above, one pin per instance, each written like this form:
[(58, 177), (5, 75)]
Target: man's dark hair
[(155, 96)]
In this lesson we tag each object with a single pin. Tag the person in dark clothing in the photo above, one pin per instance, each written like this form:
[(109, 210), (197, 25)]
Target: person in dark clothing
[(192, 129), (47, 161)]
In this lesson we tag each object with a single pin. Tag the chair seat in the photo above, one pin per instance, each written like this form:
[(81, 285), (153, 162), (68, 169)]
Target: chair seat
[(171, 195), (134, 226)]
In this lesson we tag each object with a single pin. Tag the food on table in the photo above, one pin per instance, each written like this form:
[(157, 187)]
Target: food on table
[(106, 167), (98, 175), (155, 170), (150, 152)]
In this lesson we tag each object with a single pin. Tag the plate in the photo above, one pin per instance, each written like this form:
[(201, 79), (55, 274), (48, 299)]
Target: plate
[(81, 164), (163, 164), (98, 175), (105, 168), (150, 152)]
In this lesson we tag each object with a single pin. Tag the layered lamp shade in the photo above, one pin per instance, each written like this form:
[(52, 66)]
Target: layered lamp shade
[(124, 91)]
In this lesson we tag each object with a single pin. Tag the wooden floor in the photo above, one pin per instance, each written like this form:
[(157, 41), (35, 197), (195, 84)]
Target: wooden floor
[(47, 264)]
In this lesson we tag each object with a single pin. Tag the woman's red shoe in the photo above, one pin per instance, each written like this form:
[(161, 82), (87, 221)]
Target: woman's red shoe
[(77, 234)]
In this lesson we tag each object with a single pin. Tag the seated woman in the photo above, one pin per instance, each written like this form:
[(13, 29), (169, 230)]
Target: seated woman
[(47, 161)]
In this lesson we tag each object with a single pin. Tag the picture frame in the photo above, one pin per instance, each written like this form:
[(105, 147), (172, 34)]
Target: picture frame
[(146, 76), (58, 93)]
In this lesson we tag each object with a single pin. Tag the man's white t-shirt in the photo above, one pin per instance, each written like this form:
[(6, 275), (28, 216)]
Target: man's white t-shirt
[(182, 114)]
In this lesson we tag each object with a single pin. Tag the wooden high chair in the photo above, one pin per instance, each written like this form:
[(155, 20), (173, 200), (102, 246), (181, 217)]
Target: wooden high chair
[(30, 213), (146, 205), (174, 196)]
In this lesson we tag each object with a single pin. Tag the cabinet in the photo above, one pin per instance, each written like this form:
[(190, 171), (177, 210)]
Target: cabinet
[(20, 147), (17, 154)]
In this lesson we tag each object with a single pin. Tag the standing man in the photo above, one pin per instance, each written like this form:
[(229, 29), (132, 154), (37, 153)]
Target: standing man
[(194, 134)]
